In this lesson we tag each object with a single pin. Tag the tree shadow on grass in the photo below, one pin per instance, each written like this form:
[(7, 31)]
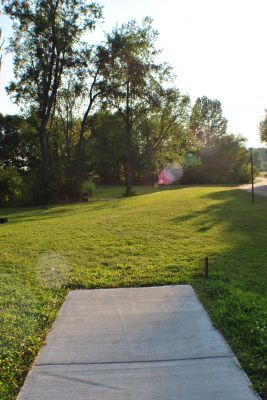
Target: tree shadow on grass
[(40, 214), (236, 292), (242, 225), (233, 206), (26, 214), (33, 214), (110, 191)]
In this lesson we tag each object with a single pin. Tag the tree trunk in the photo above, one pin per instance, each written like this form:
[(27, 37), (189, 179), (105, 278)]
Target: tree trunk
[(128, 126), (80, 149), (128, 169), (81, 138), (128, 177), (45, 160)]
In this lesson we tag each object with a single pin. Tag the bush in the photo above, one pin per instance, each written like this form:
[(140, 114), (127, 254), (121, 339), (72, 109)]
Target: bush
[(10, 185), (226, 162), (88, 188)]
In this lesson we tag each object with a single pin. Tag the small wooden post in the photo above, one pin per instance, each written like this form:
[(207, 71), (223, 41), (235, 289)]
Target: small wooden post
[(252, 175), (206, 267)]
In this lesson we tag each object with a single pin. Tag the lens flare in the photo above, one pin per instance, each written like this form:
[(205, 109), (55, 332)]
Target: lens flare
[(172, 173), (52, 270)]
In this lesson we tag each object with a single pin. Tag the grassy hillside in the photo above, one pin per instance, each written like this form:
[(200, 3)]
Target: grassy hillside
[(155, 238)]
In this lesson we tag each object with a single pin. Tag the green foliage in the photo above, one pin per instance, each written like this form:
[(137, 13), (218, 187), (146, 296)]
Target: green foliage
[(106, 147), (260, 158), (226, 162), (19, 143), (159, 138), (263, 128), (135, 78), (1, 45), (158, 238), (88, 188), (142, 122), (207, 122), (44, 44), (162, 135), (10, 185), (47, 46)]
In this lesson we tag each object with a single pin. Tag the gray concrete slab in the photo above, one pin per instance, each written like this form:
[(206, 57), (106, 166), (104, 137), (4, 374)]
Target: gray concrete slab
[(134, 324), (197, 379), (135, 343)]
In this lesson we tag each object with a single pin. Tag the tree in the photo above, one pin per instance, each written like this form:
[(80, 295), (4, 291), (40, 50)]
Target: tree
[(18, 143), (1, 45), (106, 147), (47, 34), (10, 184), (226, 162), (133, 76), (260, 158), (263, 128), (76, 99), (93, 84), (163, 132), (67, 120), (207, 122)]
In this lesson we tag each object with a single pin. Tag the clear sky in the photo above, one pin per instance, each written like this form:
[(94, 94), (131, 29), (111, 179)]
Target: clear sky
[(218, 48)]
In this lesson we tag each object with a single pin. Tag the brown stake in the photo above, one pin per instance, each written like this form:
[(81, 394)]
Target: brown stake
[(206, 267)]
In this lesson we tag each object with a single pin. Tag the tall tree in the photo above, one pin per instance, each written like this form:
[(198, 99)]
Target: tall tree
[(263, 128), (207, 122), (18, 143), (77, 98), (106, 147), (133, 76), (1, 45), (67, 115), (162, 134), (47, 34), (93, 84)]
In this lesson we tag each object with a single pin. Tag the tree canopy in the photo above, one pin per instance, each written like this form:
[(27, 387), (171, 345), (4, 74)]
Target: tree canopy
[(135, 77), (207, 122), (263, 128), (107, 111), (46, 45)]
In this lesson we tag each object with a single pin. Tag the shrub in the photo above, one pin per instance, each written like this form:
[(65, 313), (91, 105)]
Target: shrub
[(10, 185), (226, 162), (88, 188)]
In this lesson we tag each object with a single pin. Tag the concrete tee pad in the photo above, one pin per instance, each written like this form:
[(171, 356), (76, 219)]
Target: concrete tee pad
[(135, 343)]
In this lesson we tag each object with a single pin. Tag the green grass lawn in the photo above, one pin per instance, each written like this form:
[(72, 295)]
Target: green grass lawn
[(111, 191), (157, 238)]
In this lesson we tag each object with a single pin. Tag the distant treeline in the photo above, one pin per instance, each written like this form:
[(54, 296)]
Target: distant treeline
[(260, 158), (107, 112)]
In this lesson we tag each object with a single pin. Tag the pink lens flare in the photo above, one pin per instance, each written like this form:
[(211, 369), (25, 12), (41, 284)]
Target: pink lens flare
[(170, 174), (165, 178)]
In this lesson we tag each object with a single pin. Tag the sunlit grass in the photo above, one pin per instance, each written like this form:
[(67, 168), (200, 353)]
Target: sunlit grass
[(157, 238)]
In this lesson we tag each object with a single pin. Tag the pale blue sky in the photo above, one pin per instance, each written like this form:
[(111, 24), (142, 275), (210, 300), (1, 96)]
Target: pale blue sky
[(218, 48)]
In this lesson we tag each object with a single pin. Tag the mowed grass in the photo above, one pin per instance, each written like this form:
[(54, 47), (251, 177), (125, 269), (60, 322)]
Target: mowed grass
[(156, 238)]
